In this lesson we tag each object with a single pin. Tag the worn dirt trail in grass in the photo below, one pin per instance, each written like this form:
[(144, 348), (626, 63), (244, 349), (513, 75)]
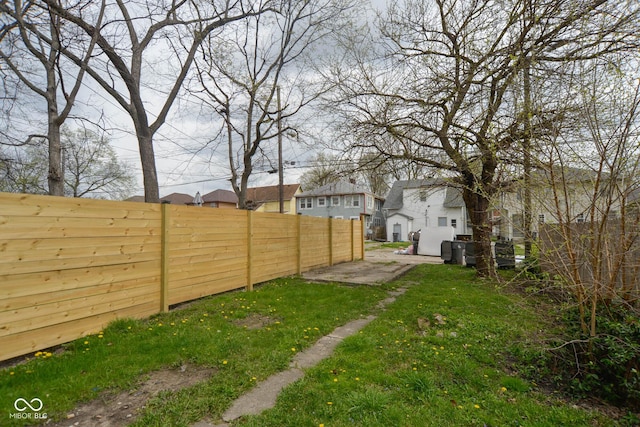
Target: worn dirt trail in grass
[(121, 409), (264, 395)]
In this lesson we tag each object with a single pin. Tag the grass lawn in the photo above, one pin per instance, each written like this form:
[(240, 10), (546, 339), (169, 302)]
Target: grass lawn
[(444, 354)]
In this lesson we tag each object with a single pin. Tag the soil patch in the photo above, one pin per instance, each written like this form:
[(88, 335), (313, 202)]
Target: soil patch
[(121, 409), (254, 321)]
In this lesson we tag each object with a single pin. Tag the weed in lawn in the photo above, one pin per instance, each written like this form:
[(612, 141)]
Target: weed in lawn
[(449, 371), (209, 333), (459, 368)]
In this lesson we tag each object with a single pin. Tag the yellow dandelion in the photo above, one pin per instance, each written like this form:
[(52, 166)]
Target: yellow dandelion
[(224, 362), (329, 403), (293, 349), (476, 406)]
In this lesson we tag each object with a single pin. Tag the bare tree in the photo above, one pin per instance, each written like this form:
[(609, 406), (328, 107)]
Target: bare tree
[(592, 196), (91, 168), (444, 87), (31, 37), (242, 77), (325, 169), (146, 52)]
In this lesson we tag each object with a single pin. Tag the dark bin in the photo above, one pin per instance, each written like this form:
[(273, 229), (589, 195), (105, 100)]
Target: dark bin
[(470, 254), (446, 253), (505, 255), (452, 251), (396, 237)]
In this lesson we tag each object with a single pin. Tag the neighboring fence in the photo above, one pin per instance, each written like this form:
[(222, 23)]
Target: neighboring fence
[(70, 266), (606, 258)]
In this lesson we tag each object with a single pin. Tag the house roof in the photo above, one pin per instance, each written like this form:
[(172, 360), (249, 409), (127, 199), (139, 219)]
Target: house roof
[(337, 189), (394, 201), (394, 198), (453, 198), (224, 196), (177, 199), (270, 193)]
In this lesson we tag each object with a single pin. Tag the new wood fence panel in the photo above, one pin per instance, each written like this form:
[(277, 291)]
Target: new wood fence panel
[(357, 240), (314, 245), (207, 252), (341, 240), (70, 266), (274, 246)]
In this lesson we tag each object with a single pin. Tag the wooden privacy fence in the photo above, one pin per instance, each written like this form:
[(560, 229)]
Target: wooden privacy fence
[(70, 266), (605, 260)]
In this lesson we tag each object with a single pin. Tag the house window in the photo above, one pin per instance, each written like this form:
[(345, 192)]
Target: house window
[(541, 219), (335, 200), (352, 201), (454, 223), (306, 202), (369, 202), (423, 195), (442, 221), (322, 202), (580, 217)]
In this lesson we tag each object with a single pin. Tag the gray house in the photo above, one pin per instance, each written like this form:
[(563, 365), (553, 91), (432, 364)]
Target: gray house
[(343, 200)]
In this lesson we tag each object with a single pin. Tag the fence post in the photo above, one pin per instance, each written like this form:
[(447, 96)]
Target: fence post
[(164, 258), (353, 237), (299, 231), (361, 238), (249, 249), (330, 241)]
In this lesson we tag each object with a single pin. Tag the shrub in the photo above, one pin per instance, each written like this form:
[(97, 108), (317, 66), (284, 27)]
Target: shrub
[(606, 366)]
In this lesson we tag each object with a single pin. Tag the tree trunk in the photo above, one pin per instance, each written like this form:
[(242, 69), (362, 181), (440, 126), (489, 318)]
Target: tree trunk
[(478, 208), (55, 177), (149, 173)]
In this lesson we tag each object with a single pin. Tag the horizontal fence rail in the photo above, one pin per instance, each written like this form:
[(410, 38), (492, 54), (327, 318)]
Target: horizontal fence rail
[(70, 266)]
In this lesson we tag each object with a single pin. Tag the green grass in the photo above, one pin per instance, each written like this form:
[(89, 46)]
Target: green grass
[(459, 373), (459, 370), (206, 333)]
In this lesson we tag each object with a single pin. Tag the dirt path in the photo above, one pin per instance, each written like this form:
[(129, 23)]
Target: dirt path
[(264, 395), (121, 409)]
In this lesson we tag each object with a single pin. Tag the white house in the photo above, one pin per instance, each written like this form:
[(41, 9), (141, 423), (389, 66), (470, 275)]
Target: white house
[(428, 205)]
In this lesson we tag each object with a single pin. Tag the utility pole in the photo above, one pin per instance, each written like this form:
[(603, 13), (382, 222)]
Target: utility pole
[(280, 171)]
